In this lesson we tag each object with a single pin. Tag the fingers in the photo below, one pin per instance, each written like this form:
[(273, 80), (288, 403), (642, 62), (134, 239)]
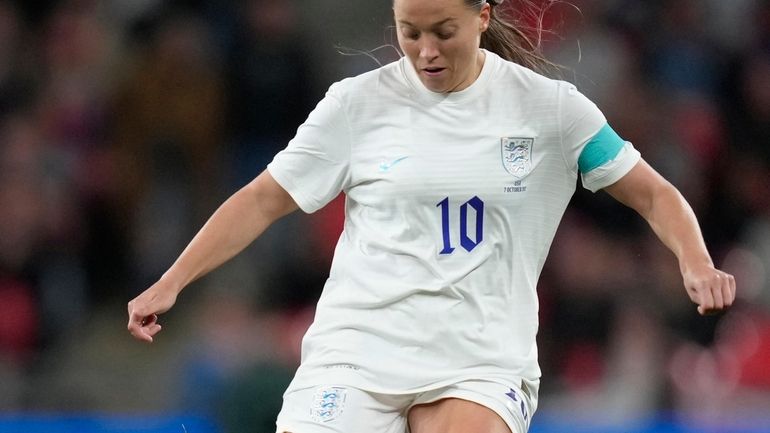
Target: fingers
[(138, 330), (706, 302), (730, 290), (715, 294), (142, 326), (144, 332), (153, 329)]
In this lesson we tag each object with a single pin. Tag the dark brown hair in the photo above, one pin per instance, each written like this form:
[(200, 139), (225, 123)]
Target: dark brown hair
[(510, 37)]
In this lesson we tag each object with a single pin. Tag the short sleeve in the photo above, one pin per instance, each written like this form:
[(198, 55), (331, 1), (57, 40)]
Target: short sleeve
[(590, 145), (314, 167)]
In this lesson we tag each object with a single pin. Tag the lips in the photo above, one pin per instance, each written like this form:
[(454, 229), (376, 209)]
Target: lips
[(433, 71)]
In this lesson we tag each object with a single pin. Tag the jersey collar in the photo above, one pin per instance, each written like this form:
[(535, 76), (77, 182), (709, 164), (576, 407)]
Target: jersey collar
[(474, 90)]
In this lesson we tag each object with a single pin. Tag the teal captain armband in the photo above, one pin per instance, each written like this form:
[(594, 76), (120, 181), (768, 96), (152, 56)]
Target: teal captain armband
[(602, 148)]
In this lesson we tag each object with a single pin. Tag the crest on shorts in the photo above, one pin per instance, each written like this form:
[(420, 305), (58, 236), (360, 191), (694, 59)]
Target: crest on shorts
[(328, 403), (516, 153)]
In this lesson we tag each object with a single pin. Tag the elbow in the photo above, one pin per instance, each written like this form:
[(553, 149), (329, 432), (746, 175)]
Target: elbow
[(663, 198)]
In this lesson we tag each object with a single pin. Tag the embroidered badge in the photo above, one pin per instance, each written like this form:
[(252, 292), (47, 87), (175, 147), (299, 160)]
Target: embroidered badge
[(517, 155), (328, 403)]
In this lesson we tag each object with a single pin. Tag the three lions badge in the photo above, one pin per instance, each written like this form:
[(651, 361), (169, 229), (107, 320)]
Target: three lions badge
[(517, 155), (328, 403)]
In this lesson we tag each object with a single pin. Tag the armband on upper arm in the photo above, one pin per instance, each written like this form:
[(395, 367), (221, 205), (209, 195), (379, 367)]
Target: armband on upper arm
[(602, 148)]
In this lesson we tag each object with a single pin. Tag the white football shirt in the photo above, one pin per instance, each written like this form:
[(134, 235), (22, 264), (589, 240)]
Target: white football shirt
[(452, 201)]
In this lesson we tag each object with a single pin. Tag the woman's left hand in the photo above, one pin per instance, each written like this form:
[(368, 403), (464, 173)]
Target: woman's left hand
[(713, 290)]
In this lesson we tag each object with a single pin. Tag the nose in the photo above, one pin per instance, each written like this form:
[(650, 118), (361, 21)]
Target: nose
[(429, 49)]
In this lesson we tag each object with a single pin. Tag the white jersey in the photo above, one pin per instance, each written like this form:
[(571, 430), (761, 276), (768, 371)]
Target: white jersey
[(452, 201)]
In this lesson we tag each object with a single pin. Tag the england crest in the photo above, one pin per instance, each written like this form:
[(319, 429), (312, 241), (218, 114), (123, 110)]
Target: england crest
[(328, 403), (517, 155)]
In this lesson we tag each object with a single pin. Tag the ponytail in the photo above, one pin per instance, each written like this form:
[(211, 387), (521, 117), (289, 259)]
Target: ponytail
[(510, 41)]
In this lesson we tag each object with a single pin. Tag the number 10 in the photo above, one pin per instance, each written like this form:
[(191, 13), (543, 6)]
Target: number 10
[(467, 243)]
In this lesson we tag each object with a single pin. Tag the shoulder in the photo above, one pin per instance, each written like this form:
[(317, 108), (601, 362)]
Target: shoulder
[(532, 86), (523, 79), (364, 85), (515, 73)]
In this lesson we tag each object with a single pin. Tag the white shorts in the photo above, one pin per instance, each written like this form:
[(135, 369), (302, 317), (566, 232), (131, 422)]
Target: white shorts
[(344, 409)]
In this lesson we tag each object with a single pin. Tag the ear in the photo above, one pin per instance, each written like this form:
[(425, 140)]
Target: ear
[(485, 15)]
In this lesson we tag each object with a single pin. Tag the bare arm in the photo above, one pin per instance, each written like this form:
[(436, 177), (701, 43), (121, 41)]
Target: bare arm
[(673, 221), (237, 223)]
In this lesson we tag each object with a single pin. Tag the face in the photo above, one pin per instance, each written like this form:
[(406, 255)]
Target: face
[(441, 38)]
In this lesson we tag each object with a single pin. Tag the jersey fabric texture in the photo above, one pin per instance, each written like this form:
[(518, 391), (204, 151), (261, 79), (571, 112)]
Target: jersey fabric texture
[(452, 202)]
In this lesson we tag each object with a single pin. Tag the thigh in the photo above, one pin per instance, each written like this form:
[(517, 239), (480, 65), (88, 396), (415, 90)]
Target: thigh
[(454, 415), (475, 406), (341, 409)]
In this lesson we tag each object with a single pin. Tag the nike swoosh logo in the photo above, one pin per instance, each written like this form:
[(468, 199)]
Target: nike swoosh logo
[(385, 166)]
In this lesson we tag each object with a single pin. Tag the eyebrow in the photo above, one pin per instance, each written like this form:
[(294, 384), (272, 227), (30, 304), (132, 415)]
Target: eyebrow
[(444, 21)]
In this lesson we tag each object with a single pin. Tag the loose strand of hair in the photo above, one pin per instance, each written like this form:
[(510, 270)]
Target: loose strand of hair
[(351, 52), (512, 38)]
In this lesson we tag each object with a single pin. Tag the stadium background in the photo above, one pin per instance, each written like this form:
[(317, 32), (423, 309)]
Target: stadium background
[(124, 123)]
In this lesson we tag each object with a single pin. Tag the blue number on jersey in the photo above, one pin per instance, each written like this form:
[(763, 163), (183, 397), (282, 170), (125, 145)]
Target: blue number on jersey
[(445, 226), (466, 242)]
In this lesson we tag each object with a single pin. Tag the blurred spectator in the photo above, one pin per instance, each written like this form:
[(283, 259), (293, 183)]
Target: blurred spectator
[(39, 239), (732, 24), (732, 374), (682, 59), (270, 85), (167, 131), (594, 55), (11, 35)]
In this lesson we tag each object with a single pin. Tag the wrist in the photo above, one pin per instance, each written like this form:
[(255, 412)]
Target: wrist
[(173, 281), (690, 263)]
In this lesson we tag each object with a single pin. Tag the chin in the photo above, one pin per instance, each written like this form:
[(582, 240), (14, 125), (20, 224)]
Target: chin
[(433, 87)]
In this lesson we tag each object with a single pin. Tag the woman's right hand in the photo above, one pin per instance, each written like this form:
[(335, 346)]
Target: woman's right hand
[(143, 310)]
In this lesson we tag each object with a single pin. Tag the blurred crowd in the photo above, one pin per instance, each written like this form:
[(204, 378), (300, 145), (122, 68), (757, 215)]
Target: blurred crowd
[(124, 123)]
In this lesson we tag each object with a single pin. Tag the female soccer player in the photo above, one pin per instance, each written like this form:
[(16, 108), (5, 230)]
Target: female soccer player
[(457, 162)]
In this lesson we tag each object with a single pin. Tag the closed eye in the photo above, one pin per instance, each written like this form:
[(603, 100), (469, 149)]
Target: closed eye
[(415, 36), (444, 29), (410, 32)]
